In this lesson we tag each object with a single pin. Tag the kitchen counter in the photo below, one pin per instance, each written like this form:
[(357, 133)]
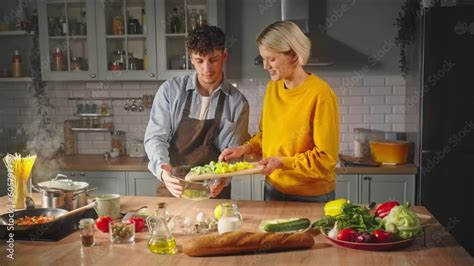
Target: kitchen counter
[(97, 163), (439, 247)]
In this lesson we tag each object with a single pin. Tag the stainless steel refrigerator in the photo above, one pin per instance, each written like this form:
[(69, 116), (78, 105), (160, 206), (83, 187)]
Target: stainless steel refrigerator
[(440, 100)]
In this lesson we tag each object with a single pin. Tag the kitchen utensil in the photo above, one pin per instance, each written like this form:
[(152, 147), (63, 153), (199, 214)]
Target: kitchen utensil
[(140, 105), (371, 246), (51, 231), (108, 204), (126, 107), (133, 107), (256, 170), (30, 203), (61, 192), (389, 151)]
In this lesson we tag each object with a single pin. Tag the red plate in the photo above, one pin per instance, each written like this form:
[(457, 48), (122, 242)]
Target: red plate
[(372, 246)]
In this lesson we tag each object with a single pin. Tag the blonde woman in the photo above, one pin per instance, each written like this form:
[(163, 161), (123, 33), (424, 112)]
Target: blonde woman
[(299, 128)]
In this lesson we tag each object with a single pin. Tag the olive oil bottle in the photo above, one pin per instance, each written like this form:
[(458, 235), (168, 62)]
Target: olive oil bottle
[(161, 240)]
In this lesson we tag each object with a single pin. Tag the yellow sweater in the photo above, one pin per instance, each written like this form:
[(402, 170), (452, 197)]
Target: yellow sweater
[(301, 125)]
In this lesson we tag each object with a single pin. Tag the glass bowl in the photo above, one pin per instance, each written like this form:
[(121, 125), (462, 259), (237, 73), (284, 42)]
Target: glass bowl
[(193, 190), (121, 232)]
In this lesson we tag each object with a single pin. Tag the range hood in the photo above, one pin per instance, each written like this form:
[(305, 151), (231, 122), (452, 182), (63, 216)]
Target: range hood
[(297, 11)]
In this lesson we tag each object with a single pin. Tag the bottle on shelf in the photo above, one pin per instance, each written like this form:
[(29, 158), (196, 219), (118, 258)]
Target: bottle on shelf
[(193, 19), (16, 64), (145, 59), (58, 59)]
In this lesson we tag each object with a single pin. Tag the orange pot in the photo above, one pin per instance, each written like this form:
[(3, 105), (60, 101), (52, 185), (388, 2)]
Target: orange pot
[(389, 151)]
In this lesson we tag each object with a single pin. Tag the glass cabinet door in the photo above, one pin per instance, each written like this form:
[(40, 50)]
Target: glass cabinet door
[(180, 18), (67, 39), (126, 39)]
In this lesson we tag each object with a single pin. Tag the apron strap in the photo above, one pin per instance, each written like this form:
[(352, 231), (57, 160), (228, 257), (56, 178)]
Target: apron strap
[(187, 105), (219, 109)]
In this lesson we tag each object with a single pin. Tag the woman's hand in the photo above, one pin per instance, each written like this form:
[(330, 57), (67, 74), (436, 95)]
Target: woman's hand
[(171, 182), (271, 164), (232, 153), (217, 186)]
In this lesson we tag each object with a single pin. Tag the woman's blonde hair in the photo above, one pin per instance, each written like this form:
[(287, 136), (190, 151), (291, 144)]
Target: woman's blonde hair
[(286, 37)]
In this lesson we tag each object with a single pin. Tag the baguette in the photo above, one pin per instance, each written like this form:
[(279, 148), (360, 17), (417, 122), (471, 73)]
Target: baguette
[(246, 242)]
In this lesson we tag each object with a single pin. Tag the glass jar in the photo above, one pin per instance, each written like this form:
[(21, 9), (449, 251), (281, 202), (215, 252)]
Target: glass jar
[(118, 26), (118, 141), (87, 232), (230, 221), (122, 232)]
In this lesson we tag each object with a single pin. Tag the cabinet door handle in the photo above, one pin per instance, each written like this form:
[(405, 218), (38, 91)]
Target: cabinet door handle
[(152, 75), (367, 178), (92, 75), (82, 174)]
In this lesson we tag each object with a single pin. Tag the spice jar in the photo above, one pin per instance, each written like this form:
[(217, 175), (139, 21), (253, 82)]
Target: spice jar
[(118, 26), (118, 141), (87, 232)]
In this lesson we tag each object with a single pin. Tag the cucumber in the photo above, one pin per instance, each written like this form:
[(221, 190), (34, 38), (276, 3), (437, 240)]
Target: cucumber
[(294, 224)]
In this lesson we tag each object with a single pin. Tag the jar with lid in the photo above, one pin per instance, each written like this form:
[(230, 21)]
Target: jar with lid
[(87, 232), (118, 141), (118, 26), (16, 64), (58, 60), (231, 219)]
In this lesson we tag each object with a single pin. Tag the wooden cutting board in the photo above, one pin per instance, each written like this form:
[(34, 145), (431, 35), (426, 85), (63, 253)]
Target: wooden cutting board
[(257, 170)]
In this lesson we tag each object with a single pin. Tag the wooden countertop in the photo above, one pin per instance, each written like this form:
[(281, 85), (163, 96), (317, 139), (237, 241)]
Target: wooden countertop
[(87, 162), (439, 247)]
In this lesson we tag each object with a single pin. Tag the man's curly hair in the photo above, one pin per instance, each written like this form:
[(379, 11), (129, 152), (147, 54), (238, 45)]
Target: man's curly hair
[(205, 39)]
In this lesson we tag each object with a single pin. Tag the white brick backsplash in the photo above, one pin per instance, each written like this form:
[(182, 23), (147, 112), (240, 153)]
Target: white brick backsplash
[(383, 127), (348, 137), (373, 101), (374, 80), (399, 90), (380, 90), (395, 118), (398, 109), (359, 109), (374, 118), (395, 99), (351, 119), (398, 127), (354, 91), (395, 80), (381, 109), (352, 100), (343, 110), (353, 80), (369, 100)]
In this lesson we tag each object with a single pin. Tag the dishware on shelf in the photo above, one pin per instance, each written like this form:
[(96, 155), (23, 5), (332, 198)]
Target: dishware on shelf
[(134, 106), (126, 107)]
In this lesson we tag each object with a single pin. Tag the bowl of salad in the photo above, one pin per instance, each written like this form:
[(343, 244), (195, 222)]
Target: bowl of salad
[(193, 190)]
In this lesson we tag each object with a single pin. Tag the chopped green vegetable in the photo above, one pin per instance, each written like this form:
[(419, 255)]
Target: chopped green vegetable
[(221, 168)]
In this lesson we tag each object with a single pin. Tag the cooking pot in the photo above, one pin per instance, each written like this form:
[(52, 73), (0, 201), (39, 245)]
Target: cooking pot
[(61, 192)]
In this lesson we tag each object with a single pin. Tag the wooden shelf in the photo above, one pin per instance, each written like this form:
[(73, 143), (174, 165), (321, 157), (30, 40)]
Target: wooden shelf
[(86, 129), (23, 79), (175, 34), (92, 115), (16, 33), (129, 36)]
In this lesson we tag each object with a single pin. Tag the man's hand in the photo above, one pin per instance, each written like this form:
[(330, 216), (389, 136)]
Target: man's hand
[(271, 164), (217, 186), (171, 182), (232, 153)]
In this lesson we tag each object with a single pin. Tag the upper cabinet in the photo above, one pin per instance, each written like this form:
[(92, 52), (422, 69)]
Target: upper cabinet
[(67, 39), (178, 18), (126, 39), (120, 39)]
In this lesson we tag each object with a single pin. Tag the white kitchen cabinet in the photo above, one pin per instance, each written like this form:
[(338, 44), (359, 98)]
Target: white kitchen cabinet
[(177, 18), (347, 187), (107, 182), (258, 187), (380, 188), (141, 184), (241, 188)]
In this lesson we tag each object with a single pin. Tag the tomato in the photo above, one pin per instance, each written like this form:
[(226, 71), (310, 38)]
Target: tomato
[(102, 223), (347, 234), (138, 221), (382, 236)]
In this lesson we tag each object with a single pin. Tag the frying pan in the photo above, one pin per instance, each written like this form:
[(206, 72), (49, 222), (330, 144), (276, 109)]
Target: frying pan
[(61, 226)]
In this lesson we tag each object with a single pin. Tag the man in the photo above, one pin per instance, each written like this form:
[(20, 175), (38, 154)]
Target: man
[(196, 116)]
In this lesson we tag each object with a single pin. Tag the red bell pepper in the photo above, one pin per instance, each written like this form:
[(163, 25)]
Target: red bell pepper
[(384, 208), (347, 234)]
